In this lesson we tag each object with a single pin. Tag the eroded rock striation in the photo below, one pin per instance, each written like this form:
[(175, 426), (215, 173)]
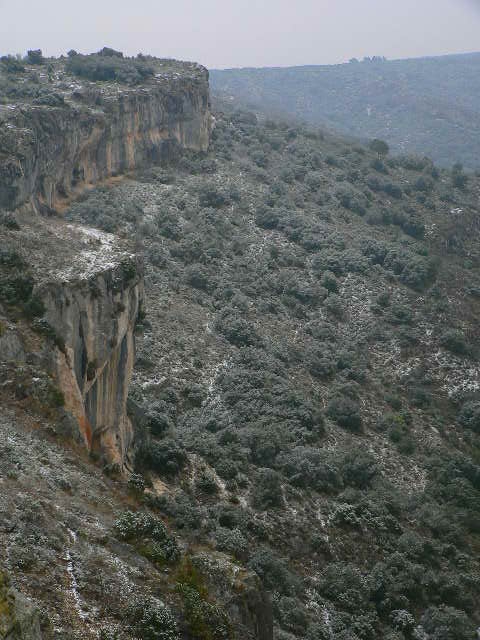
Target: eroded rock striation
[(75, 134), (47, 152), (95, 320)]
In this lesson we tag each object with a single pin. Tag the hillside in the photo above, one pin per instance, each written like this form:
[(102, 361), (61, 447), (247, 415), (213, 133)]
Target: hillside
[(304, 403), (426, 105)]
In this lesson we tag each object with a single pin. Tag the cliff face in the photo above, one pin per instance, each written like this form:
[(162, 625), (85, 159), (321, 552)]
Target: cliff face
[(95, 320), (75, 134), (48, 151)]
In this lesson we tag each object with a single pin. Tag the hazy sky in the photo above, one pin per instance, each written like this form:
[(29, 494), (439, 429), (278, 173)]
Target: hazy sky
[(235, 33)]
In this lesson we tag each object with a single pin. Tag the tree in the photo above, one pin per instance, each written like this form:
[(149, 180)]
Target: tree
[(35, 56), (379, 146)]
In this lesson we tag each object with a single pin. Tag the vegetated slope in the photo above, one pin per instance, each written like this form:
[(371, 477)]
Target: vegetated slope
[(424, 105), (306, 393)]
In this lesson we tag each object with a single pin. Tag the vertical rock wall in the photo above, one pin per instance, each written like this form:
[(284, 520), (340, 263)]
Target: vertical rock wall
[(47, 152), (95, 322)]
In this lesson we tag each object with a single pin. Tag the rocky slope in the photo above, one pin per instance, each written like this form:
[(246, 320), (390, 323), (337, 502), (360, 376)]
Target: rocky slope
[(305, 397), (86, 556)]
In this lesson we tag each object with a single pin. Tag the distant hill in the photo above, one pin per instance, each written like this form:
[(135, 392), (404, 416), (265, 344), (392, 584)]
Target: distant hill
[(425, 105)]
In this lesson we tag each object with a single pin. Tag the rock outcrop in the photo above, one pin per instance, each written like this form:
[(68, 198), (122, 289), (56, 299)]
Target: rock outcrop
[(95, 321), (19, 619), (47, 152), (78, 133)]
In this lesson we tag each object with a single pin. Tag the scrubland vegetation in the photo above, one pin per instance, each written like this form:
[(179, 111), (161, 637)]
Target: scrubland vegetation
[(307, 384)]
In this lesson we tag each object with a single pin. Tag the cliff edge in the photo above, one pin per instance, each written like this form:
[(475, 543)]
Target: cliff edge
[(61, 131)]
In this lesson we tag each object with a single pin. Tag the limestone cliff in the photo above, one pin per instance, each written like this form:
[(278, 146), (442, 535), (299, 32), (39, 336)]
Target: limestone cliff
[(90, 285), (97, 131), (73, 134), (95, 319)]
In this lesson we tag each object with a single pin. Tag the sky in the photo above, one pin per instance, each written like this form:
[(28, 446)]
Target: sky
[(239, 33)]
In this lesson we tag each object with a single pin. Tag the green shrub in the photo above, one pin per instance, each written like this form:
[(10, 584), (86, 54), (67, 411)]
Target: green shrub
[(198, 277), (35, 56), (237, 330), (267, 490), (150, 619), (447, 623), (104, 66), (346, 412), (469, 416), (165, 457), (274, 572), (455, 341), (232, 541), (149, 534), (206, 620)]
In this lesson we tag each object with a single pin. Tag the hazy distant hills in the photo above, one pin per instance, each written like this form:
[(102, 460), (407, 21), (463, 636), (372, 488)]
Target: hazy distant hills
[(424, 105)]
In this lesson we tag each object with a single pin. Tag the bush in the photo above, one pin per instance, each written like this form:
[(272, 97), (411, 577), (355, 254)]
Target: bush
[(149, 534), (329, 281), (267, 490), (165, 457), (198, 277), (12, 65), (132, 525), (274, 572), (35, 56), (267, 218), (232, 541), (210, 196), (237, 330), (206, 621), (9, 221), (149, 619), (469, 416), (447, 623), (106, 66), (346, 412), (310, 468), (379, 146), (455, 341), (358, 469)]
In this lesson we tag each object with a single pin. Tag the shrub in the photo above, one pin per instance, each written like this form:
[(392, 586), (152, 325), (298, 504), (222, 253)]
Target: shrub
[(9, 221), (291, 614), (329, 281), (344, 584), (267, 490), (232, 541), (132, 525), (310, 468), (322, 363), (267, 218), (35, 56), (379, 146), (274, 572), (455, 341), (237, 330), (206, 621), (12, 65), (346, 412), (136, 484), (210, 196), (358, 469), (108, 65), (206, 483), (469, 416), (149, 534), (150, 619), (198, 277), (447, 623), (165, 457)]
